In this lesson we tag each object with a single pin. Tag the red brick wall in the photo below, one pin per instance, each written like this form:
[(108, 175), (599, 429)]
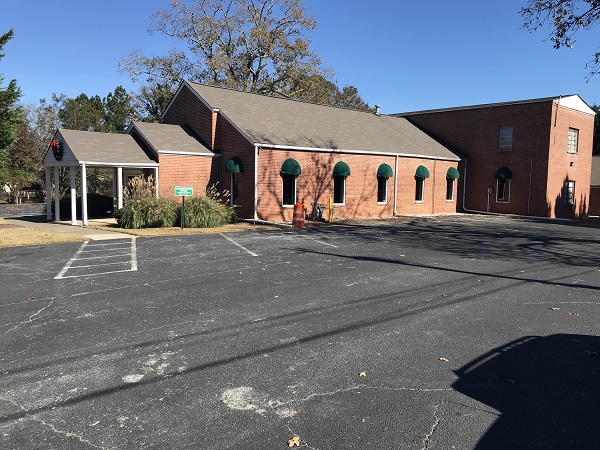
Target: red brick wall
[(185, 170), (187, 109), (564, 165), (316, 183), (475, 133)]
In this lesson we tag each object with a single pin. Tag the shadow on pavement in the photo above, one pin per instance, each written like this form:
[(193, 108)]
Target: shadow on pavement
[(547, 390)]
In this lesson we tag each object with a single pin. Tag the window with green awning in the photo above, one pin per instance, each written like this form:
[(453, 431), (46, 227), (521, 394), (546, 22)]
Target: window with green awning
[(290, 167), (422, 172), (504, 173), (385, 171), (341, 169), (452, 173), (234, 165)]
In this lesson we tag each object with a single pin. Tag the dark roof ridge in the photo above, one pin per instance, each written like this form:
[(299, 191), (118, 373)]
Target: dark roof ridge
[(282, 98), (485, 105)]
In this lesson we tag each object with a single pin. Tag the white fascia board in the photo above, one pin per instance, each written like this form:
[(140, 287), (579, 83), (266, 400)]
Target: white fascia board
[(175, 152), (124, 165), (355, 152)]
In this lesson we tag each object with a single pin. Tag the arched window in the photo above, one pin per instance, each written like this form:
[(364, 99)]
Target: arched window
[(503, 177), (232, 167), (383, 173), (290, 169), (451, 175), (340, 172), (421, 173)]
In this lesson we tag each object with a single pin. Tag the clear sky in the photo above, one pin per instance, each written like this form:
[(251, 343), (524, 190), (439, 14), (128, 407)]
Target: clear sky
[(403, 55)]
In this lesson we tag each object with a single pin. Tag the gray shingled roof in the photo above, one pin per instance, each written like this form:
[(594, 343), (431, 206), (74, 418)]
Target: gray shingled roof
[(103, 148), (170, 138), (277, 121)]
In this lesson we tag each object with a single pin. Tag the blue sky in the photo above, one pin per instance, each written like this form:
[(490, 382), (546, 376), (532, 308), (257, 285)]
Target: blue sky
[(402, 55)]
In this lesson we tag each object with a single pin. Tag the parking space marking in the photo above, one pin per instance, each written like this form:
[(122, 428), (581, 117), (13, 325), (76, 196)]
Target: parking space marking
[(95, 260), (321, 242), (239, 245)]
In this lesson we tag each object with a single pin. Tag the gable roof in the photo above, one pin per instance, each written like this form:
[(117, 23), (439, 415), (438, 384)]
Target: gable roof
[(568, 101), (98, 149), (277, 122), (169, 139)]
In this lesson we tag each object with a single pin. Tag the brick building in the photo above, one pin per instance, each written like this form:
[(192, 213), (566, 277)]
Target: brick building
[(531, 157)]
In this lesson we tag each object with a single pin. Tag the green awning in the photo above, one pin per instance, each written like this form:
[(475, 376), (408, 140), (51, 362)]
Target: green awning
[(452, 173), (422, 172), (341, 169), (385, 171), (234, 165), (503, 173), (290, 167)]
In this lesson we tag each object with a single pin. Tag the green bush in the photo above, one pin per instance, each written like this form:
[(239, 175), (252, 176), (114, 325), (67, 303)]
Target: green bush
[(202, 212), (148, 213)]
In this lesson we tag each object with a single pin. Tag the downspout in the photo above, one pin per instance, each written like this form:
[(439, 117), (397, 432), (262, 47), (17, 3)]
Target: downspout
[(255, 182), (396, 187)]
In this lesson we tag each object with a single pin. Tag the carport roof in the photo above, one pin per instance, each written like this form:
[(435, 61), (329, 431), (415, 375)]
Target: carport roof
[(273, 121), (98, 149)]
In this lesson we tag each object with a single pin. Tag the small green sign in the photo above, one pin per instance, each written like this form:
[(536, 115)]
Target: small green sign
[(184, 191)]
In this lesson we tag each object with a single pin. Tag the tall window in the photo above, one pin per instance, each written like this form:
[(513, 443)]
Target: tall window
[(449, 189), (569, 193), (505, 141), (573, 140), (289, 189), (233, 190), (419, 189), (381, 189), (503, 190), (339, 189)]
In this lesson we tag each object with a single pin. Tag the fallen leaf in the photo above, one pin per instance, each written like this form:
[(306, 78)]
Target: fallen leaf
[(362, 374), (555, 309), (573, 313), (591, 353), (444, 359), (295, 441), (512, 381)]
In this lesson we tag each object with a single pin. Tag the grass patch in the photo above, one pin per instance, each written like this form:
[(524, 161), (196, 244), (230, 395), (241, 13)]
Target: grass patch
[(12, 235)]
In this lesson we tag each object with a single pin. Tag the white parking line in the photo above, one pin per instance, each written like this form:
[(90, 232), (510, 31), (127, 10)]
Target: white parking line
[(239, 245), (129, 258)]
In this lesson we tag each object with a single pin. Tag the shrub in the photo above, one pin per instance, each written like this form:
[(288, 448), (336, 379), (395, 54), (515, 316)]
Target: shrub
[(202, 212), (147, 213)]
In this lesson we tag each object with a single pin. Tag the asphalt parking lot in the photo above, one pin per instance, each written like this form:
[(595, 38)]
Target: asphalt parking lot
[(427, 334)]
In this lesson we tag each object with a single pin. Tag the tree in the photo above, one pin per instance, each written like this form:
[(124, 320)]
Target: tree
[(118, 109), (151, 101), (596, 145), (251, 45), (10, 114), (565, 18)]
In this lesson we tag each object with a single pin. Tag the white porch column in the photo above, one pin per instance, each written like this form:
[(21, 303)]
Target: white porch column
[(119, 187), (84, 212), (56, 193), (73, 196), (48, 194), (156, 181)]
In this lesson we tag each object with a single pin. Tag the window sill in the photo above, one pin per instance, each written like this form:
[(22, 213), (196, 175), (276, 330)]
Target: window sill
[(449, 201), (287, 206), (503, 201), (382, 203)]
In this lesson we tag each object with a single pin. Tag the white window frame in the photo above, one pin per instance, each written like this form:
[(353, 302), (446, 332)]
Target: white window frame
[(573, 141), (506, 198), (422, 181), (569, 189), (343, 181), (286, 205), (505, 139), (450, 182), (385, 199)]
